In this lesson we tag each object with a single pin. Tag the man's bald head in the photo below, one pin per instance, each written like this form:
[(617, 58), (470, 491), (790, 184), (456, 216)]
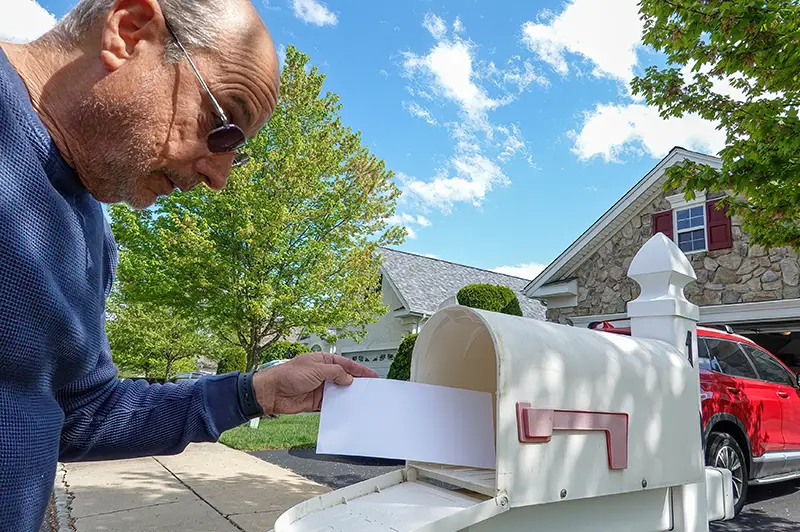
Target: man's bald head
[(125, 106)]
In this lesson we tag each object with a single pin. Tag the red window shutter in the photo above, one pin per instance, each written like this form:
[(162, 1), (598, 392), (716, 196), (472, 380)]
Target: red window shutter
[(719, 227), (662, 223)]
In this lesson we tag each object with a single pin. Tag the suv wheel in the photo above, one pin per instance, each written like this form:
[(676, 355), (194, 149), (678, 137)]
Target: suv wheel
[(723, 451)]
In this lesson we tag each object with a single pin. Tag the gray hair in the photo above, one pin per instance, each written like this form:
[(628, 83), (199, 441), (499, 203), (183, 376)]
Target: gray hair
[(195, 22)]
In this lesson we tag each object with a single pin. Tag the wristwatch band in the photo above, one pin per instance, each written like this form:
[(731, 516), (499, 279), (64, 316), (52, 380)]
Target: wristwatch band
[(247, 396)]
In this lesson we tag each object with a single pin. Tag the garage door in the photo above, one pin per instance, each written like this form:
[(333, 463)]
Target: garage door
[(379, 361), (782, 339)]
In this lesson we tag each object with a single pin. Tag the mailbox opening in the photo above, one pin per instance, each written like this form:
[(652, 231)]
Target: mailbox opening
[(457, 350)]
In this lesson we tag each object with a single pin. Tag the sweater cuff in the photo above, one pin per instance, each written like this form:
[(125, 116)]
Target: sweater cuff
[(222, 401)]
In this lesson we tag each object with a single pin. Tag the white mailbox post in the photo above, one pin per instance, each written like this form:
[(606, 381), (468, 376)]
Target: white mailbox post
[(593, 431)]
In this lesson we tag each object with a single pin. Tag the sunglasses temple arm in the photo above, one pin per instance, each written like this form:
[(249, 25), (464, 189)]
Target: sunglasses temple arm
[(197, 73)]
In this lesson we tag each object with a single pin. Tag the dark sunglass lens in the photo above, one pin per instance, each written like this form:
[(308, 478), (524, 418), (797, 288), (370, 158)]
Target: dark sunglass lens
[(226, 139), (240, 158)]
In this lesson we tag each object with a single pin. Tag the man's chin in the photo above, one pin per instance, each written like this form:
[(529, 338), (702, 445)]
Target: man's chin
[(141, 200)]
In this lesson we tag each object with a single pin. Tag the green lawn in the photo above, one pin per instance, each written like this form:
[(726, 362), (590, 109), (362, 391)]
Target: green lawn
[(285, 432)]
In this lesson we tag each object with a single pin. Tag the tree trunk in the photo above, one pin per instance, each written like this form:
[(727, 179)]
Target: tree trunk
[(169, 367), (252, 357)]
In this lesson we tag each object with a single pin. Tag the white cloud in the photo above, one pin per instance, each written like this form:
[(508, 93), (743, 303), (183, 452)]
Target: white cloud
[(420, 112), (314, 12), (269, 7), (523, 76), (435, 25), (606, 33), (526, 271), (451, 74), (448, 68), (611, 130), (514, 142), (24, 21), (468, 179), (409, 220)]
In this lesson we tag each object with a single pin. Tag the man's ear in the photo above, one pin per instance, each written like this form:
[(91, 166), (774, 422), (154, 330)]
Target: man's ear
[(131, 25)]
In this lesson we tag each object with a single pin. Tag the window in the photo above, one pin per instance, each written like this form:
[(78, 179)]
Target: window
[(690, 224), (703, 357), (768, 368), (726, 357), (694, 225)]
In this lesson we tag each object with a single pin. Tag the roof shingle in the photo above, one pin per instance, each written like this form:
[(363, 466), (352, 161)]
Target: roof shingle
[(425, 282)]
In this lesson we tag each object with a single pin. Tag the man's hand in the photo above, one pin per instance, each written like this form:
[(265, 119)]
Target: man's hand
[(296, 386)]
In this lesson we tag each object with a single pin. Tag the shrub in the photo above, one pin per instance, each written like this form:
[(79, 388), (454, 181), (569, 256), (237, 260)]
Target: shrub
[(283, 350), (400, 370), (234, 359), (490, 297)]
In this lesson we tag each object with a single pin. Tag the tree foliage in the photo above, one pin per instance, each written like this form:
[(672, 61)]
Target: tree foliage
[(490, 297), (736, 63), (154, 341), (290, 242), (401, 365), (232, 359), (283, 350)]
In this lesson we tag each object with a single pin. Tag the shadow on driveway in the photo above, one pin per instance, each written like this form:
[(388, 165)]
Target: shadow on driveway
[(332, 471), (773, 508)]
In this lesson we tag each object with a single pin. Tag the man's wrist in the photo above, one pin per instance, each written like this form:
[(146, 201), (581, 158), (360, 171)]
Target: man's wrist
[(264, 389), (247, 396)]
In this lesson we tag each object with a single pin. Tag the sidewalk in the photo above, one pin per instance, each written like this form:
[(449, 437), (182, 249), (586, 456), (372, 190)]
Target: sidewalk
[(208, 487)]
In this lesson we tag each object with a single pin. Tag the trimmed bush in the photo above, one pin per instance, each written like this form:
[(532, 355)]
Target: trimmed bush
[(490, 297), (233, 360), (283, 350), (400, 370)]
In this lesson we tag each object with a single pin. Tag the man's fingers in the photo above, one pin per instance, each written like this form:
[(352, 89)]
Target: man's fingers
[(336, 374), (354, 368)]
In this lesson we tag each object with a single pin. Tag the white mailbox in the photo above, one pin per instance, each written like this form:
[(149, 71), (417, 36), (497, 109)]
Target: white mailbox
[(593, 431)]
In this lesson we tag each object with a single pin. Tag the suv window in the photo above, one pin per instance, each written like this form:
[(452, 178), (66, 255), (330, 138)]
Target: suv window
[(726, 357), (703, 357), (768, 368)]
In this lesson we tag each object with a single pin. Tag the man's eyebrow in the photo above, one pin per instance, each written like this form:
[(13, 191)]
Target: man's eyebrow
[(244, 110)]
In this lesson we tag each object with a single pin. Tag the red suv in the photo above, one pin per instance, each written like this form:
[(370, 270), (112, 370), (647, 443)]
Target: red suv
[(751, 409)]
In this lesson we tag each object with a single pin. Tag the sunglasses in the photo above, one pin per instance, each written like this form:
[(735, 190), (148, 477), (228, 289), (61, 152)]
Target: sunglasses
[(226, 137)]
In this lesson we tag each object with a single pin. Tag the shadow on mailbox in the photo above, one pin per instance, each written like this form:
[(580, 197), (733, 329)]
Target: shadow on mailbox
[(593, 431)]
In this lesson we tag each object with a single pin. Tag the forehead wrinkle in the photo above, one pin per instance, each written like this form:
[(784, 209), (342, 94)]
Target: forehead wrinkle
[(253, 92)]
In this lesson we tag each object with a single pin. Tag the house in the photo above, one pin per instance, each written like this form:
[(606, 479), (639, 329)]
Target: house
[(753, 290), (412, 287)]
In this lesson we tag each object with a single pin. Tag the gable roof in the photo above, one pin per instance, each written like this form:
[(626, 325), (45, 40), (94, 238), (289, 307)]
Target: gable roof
[(423, 283), (636, 199)]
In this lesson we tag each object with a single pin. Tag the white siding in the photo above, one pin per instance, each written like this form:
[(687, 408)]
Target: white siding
[(382, 339)]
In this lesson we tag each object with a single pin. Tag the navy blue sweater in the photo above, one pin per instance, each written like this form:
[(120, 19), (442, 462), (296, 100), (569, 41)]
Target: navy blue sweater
[(60, 397)]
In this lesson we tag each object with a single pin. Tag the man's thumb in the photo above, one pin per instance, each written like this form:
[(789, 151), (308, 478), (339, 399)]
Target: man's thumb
[(337, 374)]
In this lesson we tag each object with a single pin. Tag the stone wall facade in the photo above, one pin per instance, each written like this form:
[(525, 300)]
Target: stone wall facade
[(740, 274)]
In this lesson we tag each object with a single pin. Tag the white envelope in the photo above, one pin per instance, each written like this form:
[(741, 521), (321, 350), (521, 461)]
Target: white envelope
[(382, 418)]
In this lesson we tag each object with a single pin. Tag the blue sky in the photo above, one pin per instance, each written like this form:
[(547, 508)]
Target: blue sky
[(509, 123)]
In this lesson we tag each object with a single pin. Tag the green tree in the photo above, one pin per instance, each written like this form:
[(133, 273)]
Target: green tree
[(154, 341), (490, 297), (290, 242), (282, 350), (232, 359), (401, 365), (736, 63)]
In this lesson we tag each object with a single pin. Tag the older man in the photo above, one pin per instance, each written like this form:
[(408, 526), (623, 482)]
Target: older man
[(123, 101)]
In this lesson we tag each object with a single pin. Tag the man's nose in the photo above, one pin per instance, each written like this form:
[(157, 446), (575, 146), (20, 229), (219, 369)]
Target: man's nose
[(216, 168)]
